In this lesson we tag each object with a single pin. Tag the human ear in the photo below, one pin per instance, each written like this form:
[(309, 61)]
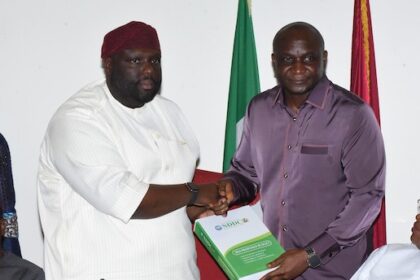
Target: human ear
[(325, 58), (274, 59), (274, 63), (107, 65)]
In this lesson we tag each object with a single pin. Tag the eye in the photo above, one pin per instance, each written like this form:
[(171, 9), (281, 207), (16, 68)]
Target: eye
[(135, 60), (155, 60), (287, 60), (309, 59)]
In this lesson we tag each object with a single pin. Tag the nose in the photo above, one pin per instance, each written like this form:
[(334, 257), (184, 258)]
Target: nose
[(298, 67), (147, 67)]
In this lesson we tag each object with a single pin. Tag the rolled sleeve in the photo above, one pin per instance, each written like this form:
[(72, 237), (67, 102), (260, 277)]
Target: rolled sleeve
[(132, 192)]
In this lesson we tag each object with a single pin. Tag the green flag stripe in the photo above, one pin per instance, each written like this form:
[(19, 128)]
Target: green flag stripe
[(244, 79)]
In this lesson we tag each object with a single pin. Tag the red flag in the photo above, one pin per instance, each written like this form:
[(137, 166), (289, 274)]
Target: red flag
[(364, 84)]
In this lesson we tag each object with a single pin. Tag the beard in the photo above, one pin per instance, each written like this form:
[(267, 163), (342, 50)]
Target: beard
[(130, 92)]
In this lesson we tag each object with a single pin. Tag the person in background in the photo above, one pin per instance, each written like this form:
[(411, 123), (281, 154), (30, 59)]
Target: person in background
[(114, 189), (13, 267), (10, 241), (415, 232), (394, 261), (315, 153)]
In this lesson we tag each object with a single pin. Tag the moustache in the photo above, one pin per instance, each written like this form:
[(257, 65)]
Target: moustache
[(146, 78)]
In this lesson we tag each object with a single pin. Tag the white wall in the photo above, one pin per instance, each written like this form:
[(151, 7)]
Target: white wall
[(49, 49)]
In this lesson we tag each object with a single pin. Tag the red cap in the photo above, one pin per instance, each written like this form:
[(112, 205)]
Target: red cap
[(132, 35)]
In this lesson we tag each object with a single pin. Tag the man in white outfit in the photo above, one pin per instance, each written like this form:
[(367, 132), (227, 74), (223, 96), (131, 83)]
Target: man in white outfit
[(394, 261), (115, 165)]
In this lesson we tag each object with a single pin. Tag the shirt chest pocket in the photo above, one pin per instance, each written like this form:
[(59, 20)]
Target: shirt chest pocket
[(317, 156), (173, 151), (176, 157), (158, 156), (310, 149)]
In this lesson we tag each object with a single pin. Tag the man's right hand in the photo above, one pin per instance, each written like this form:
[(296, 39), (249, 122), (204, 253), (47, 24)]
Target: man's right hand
[(212, 196), (162, 199), (216, 197), (415, 236), (226, 189)]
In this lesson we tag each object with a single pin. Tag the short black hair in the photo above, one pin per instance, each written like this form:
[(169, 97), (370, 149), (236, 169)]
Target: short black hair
[(298, 25)]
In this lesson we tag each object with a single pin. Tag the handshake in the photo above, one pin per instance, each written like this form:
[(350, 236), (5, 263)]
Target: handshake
[(212, 198)]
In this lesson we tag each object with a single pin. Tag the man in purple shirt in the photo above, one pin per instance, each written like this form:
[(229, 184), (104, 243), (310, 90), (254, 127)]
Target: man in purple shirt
[(315, 152)]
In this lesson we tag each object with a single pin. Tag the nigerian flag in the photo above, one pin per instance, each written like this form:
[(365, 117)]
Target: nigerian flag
[(244, 80)]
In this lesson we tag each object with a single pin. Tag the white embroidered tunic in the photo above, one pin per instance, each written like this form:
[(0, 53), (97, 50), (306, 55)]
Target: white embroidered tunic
[(97, 160)]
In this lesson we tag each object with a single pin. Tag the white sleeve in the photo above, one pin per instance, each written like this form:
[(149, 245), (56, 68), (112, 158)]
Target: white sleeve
[(391, 262), (86, 156)]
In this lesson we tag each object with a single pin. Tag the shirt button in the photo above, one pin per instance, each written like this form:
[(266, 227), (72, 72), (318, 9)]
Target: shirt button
[(284, 228), (285, 175), (289, 147), (283, 202), (294, 119)]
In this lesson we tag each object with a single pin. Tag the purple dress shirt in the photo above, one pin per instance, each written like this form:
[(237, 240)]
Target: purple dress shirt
[(320, 173)]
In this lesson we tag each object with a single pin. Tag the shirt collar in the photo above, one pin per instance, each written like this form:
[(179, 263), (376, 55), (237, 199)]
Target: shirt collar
[(316, 97)]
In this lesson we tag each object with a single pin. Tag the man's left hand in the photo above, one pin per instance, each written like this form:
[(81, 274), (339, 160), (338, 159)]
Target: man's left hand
[(290, 265)]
